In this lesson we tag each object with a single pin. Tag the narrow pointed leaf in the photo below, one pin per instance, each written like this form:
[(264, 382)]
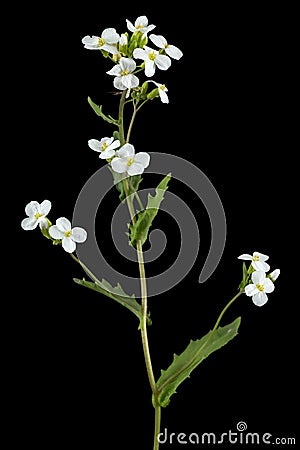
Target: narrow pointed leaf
[(193, 355), (99, 112), (115, 293), (140, 230)]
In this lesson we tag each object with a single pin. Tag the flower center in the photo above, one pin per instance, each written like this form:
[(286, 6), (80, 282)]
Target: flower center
[(104, 146), (124, 72), (68, 233), (139, 26), (260, 287), (130, 162), (101, 42), (256, 258), (37, 216), (162, 87), (152, 56)]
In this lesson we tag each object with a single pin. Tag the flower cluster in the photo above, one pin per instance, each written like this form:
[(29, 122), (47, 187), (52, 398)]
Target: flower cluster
[(61, 233), (261, 284), (125, 48)]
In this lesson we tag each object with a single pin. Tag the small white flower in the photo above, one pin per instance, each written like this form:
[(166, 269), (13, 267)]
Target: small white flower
[(274, 275), (141, 24), (162, 91), (258, 261), (260, 288), (69, 236), (127, 161), (106, 147), (36, 213), (170, 50), (106, 42), (124, 79), (152, 58)]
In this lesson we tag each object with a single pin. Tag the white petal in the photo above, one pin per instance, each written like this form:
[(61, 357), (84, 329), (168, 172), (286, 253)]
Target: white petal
[(30, 223), (118, 83), (149, 28), (163, 95), (268, 286), (123, 39), (63, 224), (152, 81), (32, 208), (163, 62), (246, 257), (258, 277), (128, 64), (135, 169), (174, 52), (95, 145), (260, 299), (126, 151), (250, 290), (141, 21), (130, 81), (43, 223), (158, 40), (139, 53), (107, 154), (275, 274), (68, 245), (261, 265), (110, 36), (116, 70), (113, 144), (90, 41), (261, 256), (142, 158), (110, 49), (149, 68), (119, 165), (55, 232), (79, 234), (130, 26), (45, 207)]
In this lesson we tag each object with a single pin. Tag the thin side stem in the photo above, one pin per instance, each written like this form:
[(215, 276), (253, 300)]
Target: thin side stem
[(131, 122), (224, 311), (121, 117)]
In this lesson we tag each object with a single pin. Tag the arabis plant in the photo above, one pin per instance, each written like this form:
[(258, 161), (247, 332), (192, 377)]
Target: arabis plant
[(132, 62)]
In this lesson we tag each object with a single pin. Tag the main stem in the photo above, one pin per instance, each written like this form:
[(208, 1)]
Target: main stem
[(143, 325)]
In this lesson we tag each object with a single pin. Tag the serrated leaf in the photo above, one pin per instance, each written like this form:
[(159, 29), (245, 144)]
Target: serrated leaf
[(134, 181), (193, 355), (99, 112), (116, 293), (140, 230)]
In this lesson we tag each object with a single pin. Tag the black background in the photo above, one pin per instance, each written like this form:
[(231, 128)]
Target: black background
[(75, 360)]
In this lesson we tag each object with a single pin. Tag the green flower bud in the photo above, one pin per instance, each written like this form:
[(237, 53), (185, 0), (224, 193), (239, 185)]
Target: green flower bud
[(153, 94)]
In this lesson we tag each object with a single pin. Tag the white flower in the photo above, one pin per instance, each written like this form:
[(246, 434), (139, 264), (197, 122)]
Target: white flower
[(36, 213), (162, 91), (170, 50), (141, 24), (106, 147), (123, 73), (258, 261), (106, 42), (62, 230), (127, 161), (274, 275), (152, 58), (260, 288)]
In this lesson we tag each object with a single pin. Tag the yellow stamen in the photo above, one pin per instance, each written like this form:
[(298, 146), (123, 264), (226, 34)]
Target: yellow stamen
[(101, 42), (68, 233), (130, 162), (104, 146), (260, 287), (37, 216), (256, 258), (124, 72), (152, 56)]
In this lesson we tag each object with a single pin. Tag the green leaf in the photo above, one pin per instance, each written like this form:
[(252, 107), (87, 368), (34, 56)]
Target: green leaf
[(193, 355), (115, 293), (99, 112), (140, 230), (134, 181), (245, 279)]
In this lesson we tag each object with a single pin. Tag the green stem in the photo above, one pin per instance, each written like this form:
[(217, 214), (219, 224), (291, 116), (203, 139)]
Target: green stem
[(86, 269), (131, 122), (157, 427), (121, 117), (223, 312)]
